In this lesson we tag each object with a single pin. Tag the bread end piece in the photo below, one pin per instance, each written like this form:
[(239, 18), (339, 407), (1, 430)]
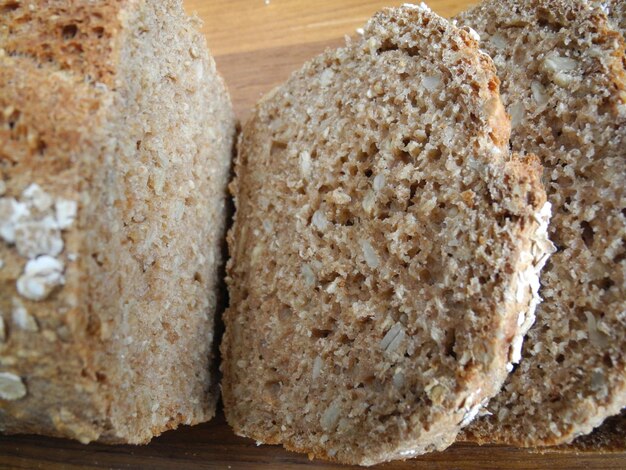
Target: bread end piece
[(118, 137)]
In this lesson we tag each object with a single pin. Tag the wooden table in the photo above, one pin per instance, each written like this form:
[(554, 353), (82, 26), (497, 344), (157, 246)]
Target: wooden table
[(257, 44)]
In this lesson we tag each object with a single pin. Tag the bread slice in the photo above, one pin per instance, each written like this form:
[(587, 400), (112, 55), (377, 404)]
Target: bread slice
[(609, 436), (563, 83), (385, 246), (115, 141)]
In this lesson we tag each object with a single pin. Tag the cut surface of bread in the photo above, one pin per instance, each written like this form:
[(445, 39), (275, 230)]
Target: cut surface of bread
[(563, 83), (385, 247), (616, 11), (115, 143)]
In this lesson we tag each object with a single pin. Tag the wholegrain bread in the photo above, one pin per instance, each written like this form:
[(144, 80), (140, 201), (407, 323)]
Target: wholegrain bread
[(616, 11), (563, 83), (115, 141), (611, 435), (384, 249)]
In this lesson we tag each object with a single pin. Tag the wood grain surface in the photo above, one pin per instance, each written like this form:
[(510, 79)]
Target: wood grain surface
[(257, 44)]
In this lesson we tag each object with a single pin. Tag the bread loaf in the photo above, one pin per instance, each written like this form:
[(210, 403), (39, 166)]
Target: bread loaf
[(563, 83), (385, 247), (115, 141)]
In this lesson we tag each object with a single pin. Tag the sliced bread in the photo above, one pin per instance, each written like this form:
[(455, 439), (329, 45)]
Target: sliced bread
[(385, 247), (115, 141), (563, 83)]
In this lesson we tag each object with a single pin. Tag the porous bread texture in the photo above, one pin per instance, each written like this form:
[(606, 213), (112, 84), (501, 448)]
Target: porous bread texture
[(563, 83), (610, 435), (385, 245), (616, 11), (115, 144)]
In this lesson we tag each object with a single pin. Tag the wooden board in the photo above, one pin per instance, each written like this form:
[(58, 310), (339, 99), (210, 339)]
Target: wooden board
[(257, 44)]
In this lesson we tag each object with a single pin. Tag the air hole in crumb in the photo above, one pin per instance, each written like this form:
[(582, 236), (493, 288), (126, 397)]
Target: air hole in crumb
[(413, 251), (387, 46), (69, 31), (10, 6), (450, 342), (98, 31), (547, 19), (433, 154), (367, 155), (368, 172), (560, 358), (95, 257), (41, 147), (401, 156), (100, 377), (138, 144), (425, 276), (319, 333), (272, 389), (197, 277), (386, 294), (369, 379), (587, 233), (323, 189), (13, 118), (606, 359), (344, 339), (277, 148), (482, 280), (606, 283)]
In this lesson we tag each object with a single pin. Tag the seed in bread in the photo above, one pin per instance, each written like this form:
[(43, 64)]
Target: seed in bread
[(385, 246), (115, 142), (563, 83)]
